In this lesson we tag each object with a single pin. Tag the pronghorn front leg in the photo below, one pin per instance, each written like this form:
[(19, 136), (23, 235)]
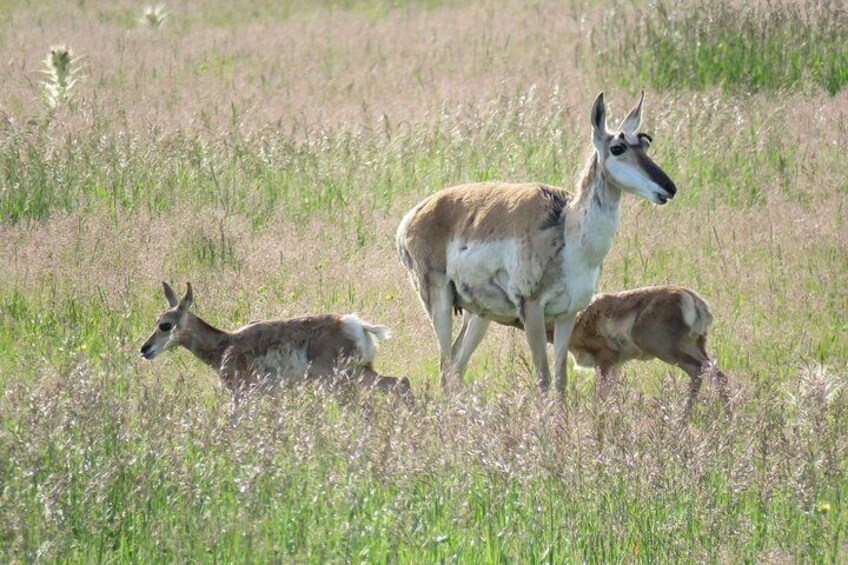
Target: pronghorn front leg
[(533, 317), (562, 337)]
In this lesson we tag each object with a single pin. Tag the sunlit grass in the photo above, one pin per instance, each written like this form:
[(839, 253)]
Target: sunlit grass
[(735, 46), (160, 176)]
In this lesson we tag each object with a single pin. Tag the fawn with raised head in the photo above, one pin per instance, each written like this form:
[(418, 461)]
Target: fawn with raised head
[(525, 254), (266, 353)]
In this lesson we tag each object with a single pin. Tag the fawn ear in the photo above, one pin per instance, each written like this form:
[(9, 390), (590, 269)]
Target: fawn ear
[(170, 295), (185, 303)]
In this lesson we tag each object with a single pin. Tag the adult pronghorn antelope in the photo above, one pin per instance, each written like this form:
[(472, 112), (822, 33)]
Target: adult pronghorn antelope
[(669, 323), (525, 252), (265, 353)]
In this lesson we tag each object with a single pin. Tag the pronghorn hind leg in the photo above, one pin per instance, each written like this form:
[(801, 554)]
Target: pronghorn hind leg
[(606, 381), (473, 329), (466, 320), (533, 318), (723, 387), (693, 368), (440, 309), (711, 367)]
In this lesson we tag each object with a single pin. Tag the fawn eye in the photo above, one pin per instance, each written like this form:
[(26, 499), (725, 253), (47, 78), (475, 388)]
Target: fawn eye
[(617, 149), (166, 326)]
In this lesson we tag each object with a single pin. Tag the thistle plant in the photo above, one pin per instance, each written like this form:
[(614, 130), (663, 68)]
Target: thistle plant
[(61, 69), (154, 16)]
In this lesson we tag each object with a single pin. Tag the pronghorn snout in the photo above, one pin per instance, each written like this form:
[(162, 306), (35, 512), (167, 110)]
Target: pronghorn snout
[(669, 187), (670, 190), (661, 179)]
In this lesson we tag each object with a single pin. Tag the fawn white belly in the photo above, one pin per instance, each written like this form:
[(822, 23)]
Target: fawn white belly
[(282, 365)]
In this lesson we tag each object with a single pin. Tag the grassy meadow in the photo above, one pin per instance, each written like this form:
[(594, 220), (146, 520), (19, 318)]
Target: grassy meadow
[(267, 152)]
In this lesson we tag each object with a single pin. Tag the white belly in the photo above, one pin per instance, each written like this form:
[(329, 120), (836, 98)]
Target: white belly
[(493, 278), (483, 274), (286, 365)]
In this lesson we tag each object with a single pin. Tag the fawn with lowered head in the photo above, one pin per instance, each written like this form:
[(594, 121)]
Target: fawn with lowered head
[(669, 323), (268, 352), (525, 254)]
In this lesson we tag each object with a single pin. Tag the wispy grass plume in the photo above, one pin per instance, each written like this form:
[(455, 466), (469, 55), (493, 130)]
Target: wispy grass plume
[(154, 17), (61, 69), (737, 46)]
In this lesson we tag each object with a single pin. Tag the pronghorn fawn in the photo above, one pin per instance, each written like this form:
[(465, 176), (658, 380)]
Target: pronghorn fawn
[(669, 323), (525, 253), (266, 353)]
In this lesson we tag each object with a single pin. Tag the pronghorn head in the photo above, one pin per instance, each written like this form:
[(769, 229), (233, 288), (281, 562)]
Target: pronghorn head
[(170, 322), (623, 155)]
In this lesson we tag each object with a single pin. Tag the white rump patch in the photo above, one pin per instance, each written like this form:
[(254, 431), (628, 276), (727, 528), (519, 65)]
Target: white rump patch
[(696, 314), (687, 308), (364, 335)]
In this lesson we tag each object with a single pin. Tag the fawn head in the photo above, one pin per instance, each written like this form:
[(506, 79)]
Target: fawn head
[(170, 322)]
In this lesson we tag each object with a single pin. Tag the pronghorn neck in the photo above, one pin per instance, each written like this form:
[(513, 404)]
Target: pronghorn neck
[(594, 189), (593, 216), (206, 342)]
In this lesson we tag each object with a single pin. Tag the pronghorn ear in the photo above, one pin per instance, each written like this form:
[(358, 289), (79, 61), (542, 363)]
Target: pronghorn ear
[(599, 121), (170, 295), (185, 303), (631, 123)]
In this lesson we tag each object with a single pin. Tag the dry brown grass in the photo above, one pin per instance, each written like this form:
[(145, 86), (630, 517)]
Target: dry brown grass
[(333, 68), (266, 155)]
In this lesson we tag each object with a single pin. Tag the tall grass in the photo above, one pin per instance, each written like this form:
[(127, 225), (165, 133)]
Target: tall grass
[(736, 46), (45, 169), (113, 467), (267, 156)]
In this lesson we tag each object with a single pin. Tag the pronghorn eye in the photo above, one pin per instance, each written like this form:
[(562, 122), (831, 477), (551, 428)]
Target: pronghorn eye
[(617, 149), (166, 326)]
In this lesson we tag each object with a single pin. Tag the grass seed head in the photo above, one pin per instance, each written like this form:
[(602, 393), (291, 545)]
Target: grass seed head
[(154, 16), (61, 69)]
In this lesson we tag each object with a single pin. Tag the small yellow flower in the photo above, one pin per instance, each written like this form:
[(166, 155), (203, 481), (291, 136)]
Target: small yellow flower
[(823, 507), (82, 348)]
